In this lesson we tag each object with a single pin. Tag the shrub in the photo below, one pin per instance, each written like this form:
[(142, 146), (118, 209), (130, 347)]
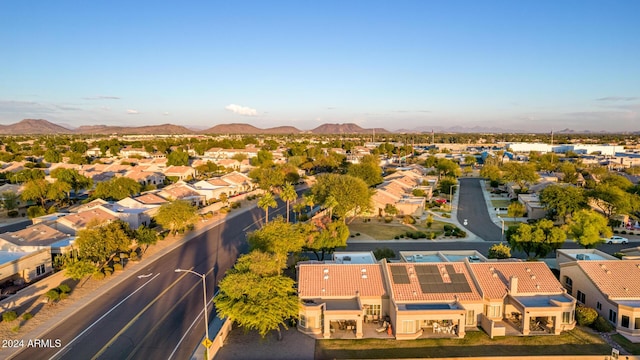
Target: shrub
[(385, 253), (623, 232), (499, 251), (12, 213), (408, 219), (357, 234), (53, 295), (107, 272), (619, 255), (26, 316), (388, 219), (585, 316), (133, 256), (448, 228), (116, 259), (64, 288), (602, 325), (117, 267), (397, 237), (9, 316), (98, 275), (16, 328)]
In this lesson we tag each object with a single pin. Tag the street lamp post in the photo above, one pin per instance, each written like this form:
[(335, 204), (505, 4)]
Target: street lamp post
[(204, 297), (502, 230)]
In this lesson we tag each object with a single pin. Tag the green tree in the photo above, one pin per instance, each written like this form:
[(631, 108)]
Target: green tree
[(519, 173), (52, 156), (176, 216), (370, 172), (79, 269), (145, 237), (257, 300), (390, 209), (224, 198), (326, 238), (267, 201), (330, 203), (178, 158), (264, 158), (116, 189), (447, 186), (288, 194), (610, 199), (587, 228), (58, 191), (499, 251), (267, 178), (278, 238), (384, 253), (73, 178), (36, 190), (35, 211), (9, 200), (99, 242), (516, 209), (448, 168), (562, 201), (353, 194), (538, 239)]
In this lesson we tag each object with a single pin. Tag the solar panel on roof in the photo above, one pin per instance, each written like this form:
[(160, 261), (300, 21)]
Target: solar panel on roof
[(431, 282), (400, 275)]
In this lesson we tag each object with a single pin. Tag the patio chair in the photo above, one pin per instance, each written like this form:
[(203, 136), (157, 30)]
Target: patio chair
[(436, 328), (383, 328)]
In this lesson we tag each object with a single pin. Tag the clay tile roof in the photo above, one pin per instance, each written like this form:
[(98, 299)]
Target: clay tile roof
[(534, 278), (82, 219), (150, 199), (342, 280), (412, 292), (615, 278), (36, 235)]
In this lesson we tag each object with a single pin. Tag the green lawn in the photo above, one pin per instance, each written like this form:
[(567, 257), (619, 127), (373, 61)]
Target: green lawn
[(386, 231), (500, 203), (633, 348), (475, 343)]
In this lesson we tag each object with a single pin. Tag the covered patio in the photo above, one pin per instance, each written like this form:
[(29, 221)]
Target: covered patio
[(540, 314)]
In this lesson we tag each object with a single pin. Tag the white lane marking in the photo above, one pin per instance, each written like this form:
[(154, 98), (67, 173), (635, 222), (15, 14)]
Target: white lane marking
[(102, 317), (144, 276), (190, 327)]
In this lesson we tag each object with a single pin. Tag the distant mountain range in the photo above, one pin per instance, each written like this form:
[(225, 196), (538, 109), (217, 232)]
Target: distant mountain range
[(39, 126)]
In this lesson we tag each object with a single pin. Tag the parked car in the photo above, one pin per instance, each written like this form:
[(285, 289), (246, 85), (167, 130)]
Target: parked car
[(616, 240)]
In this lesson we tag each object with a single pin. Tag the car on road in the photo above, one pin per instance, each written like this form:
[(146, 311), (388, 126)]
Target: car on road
[(616, 240)]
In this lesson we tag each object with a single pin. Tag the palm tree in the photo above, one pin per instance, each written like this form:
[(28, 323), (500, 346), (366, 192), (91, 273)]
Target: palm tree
[(267, 201), (288, 194), (309, 200)]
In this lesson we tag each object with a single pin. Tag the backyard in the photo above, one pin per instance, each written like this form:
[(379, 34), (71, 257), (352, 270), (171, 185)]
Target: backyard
[(475, 343)]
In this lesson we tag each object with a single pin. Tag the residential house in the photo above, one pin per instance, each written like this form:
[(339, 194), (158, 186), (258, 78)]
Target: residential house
[(213, 188), (434, 294), (533, 207), (241, 183), (145, 178), (149, 202), (181, 172), (611, 287), (17, 268), (129, 151), (33, 238), (182, 191), (72, 223)]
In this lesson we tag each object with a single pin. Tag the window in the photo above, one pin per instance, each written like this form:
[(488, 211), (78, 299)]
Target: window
[(471, 317), (493, 311), (581, 297), (568, 283), (624, 322), (40, 270), (598, 305), (637, 325), (567, 317), (613, 316), (408, 326), (373, 309), (303, 321)]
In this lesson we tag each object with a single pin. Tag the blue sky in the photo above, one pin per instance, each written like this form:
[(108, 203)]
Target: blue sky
[(516, 65)]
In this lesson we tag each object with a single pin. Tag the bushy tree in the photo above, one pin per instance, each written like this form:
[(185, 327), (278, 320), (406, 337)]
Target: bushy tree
[(352, 194), (178, 158), (324, 239), (176, 216), (278, 238), (256, 296), (73, 178), (587, 228), (370, 172), (116, 189), (585, 316), (145, 237), (384, 253), (499, 251), (100, 241), (562, 201), (516, 209), (519, 173)]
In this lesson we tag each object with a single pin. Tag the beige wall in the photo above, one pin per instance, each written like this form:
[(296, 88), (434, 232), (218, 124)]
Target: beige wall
[(27, 266)]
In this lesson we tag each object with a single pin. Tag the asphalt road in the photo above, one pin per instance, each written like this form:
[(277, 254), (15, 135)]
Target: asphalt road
[(473, 207), (156, 314)]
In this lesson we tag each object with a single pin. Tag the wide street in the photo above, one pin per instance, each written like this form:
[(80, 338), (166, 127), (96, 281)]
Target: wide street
[(157, 313)]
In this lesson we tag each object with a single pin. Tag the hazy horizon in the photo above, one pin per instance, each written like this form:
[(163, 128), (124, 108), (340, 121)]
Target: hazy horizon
[(532, 66)]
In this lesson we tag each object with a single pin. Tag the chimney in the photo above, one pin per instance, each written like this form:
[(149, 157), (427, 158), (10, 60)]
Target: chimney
[(513, 285)]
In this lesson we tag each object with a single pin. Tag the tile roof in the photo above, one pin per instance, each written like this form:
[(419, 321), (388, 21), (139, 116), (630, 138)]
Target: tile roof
[(534, 278), (615, 278), (150, 199), (339, 280), (36, 235), (82, 219), (412, 291)]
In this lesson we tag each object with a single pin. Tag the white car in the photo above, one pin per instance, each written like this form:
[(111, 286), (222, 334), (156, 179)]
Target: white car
[(616, 240)]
